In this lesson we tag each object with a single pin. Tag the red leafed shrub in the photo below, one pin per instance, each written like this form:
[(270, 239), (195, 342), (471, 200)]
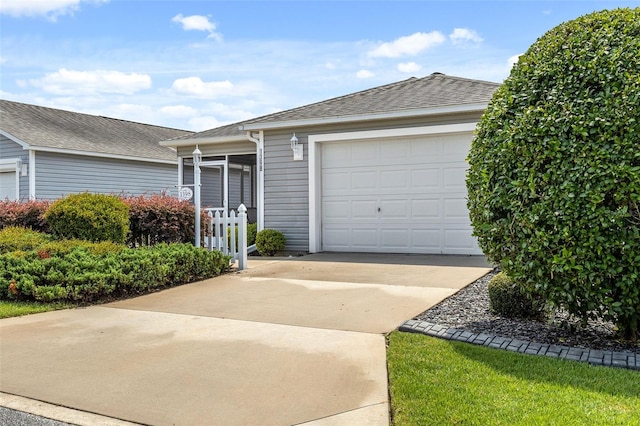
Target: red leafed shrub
[(28, 214), (159, 218)]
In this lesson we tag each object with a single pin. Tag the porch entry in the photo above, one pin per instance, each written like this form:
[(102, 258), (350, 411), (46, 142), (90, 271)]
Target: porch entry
[(226, 182)]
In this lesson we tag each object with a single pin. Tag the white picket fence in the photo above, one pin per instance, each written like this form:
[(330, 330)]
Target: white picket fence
[(221, 234)]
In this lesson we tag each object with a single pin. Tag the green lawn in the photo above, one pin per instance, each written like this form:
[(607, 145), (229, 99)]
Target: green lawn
[(16, 309), (438, 382)]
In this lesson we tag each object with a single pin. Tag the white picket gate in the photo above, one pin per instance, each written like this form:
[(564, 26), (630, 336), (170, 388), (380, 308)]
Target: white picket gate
[(221, 234)]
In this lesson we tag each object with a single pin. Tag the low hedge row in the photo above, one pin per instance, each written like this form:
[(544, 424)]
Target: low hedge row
[(88, 272)]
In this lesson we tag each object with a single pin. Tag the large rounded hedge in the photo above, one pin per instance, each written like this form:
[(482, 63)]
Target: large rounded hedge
[(554, 178), (91, 217)]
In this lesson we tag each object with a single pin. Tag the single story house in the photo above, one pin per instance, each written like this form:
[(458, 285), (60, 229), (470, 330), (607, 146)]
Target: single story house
[(47, 153), (381, 170)]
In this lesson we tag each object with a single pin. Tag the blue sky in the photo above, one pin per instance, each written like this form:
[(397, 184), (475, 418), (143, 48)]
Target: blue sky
[(201, 64)]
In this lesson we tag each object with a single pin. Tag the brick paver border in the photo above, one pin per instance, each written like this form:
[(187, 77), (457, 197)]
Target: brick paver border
[(627, 360)]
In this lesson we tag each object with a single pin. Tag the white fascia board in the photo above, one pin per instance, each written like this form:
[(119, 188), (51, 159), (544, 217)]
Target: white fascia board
[(368, 117), (19, 141), (205, 141), (101, 155)]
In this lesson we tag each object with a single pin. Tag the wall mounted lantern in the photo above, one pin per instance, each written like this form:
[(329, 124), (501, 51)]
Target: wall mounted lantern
[(298, 151)]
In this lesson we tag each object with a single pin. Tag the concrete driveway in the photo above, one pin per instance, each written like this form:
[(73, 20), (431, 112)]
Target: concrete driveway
[(289, 341)]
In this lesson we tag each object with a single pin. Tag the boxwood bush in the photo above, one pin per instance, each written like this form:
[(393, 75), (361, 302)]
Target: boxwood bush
[(511, 300), (91, 217), (270, 241), (554, 178)]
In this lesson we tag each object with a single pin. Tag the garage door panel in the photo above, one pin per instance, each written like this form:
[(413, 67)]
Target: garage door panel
[(364, 238), (334, 182), (364, 153), (406, 196), (364, 180), (396, 152), (454, 178), (426, 179), (364, 209), (394, 179), (395, 238), (455, 209), (395, 210), (426, 208), (426, 240), (337, 210)]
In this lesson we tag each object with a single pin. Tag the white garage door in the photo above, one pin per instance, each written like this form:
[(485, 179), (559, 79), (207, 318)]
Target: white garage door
[(397, 196), (8, 185)]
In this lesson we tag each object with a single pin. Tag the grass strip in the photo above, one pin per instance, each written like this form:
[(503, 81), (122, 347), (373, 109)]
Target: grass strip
[(439, 382), (15, 309)]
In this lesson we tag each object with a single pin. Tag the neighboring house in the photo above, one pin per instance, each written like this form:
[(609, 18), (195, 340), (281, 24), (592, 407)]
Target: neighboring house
[(46, 153), (382, 170)]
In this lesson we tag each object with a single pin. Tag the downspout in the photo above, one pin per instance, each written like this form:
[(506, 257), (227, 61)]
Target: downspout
[(259, 141), (32, 174)]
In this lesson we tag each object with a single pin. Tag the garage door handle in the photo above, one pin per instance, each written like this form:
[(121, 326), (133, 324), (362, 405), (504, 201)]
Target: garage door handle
[(378, 208)]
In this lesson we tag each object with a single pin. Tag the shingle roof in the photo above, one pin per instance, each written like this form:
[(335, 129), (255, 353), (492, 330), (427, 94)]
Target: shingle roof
[(48, 128), (414, 94)]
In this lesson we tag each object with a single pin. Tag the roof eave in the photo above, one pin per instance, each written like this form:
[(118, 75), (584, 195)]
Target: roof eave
[(15, 139), (449, 109), (205, 141)]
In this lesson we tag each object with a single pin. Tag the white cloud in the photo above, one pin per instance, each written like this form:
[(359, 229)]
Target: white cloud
[(408, 45), (463, 35), (330, 66), (409, 67), (197, 23), (202, 123), (178, 111), (49, 8), (194, 86), (513, 60), (70, 82), (364, 74)]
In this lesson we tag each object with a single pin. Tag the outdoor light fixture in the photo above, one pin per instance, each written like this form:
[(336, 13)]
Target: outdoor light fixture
[(298, 152), (197, 158)]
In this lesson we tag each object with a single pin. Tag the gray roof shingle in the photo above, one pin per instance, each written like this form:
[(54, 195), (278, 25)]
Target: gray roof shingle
[(414, 94), (50, 128)]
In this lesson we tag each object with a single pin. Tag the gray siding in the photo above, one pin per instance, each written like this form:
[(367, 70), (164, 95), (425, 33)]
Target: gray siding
[(286, 187), (286, 190), (60, 174), (10, 149)]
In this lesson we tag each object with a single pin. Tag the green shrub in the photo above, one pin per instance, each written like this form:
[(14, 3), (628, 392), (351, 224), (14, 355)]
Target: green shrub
[(252, 230), (270, 241), (91, 217), (511, 300), (554, 170), (14, 238), (83, 274)]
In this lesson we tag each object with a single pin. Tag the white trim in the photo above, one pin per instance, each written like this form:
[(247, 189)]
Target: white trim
[(480, 107), (205, 141), (19, 141), (315, 163), (32, 174)]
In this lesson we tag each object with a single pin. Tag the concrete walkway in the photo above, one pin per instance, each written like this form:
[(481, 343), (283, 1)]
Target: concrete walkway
[(289, 341)]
